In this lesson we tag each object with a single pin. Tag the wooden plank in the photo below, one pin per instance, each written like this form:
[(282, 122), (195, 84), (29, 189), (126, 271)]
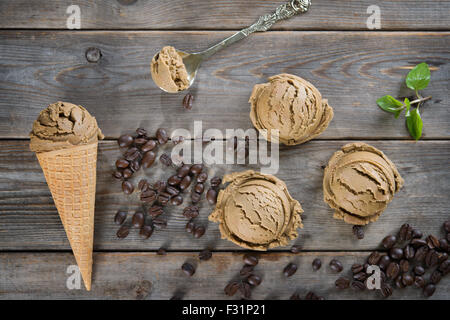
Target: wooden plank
[(123, 275), (29, 220), (352, 70), (222, 14)]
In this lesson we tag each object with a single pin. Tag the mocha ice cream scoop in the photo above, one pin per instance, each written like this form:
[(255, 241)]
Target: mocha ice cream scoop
[(256, 211), (63, 125), (359, 182), (291, 106)]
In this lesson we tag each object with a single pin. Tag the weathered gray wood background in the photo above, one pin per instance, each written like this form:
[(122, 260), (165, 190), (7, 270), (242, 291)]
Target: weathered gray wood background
[(42, 62)]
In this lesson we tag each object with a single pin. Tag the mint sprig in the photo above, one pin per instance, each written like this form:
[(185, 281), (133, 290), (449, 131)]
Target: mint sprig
[(417, 79)]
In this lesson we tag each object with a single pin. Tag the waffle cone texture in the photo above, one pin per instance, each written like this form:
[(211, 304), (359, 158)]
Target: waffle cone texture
[(71, 177)]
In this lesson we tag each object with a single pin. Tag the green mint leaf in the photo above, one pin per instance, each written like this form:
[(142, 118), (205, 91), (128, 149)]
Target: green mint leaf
[(390, 104), (419, 77), (414, 123)]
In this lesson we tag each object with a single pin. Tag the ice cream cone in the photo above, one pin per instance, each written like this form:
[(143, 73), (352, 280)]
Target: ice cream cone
[(71, 177)]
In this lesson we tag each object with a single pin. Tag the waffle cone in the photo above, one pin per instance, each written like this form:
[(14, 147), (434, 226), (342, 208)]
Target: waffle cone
[(71, 177)]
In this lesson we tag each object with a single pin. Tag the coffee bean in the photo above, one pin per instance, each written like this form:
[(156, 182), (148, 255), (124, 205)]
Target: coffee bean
[(250, 259), (417, 234), (199, 231), (443, 257), (448, 237), (159, 186), (199, 188), (138, 220), (132, 154), (195, 197), (205, 255), (407, 280), (211, 196), (177, 200), (246, 270), (409, 252), (336, 265), (149, 146), (405, 232), (444, 267), (165, 160), (290, 269), (143, 185), (162, 136), (185, 183), (295, 296), (432, 258), (148, 196), (184, 170), (141, 132), (254, 280), (127, 187), (231, 288), (245, 290), (197, 169), (384, 262), (316, 264), (419, 270), (123, 232), (443, 244), (118, 174), (393, 270), (296, 248), (125, 140), (311, 296), (389, 241), (374, 258), (191, 212), (357, 268), (404, 265), (446, 226), (358, 231), (160, 223), (421, 253), (396, 253), (436, 277), (429, 290), (140, 141), (188, 269), (342, 283), (148, 159), (190, 226), (120, 217), (172, 191), (127, 173), (361, 276), (187, 101), (419, 281), (418, 243), (432, 242), (135, 165), (215, 182), (202, 177), (386, 290), (174, 180), (146, 231), (358, 285), (122, 164), (399, 283), (163, 198)]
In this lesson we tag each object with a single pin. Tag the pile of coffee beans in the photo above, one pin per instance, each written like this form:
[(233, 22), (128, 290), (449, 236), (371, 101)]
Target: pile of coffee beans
[(248, 279), (407, 258), (139, 150)]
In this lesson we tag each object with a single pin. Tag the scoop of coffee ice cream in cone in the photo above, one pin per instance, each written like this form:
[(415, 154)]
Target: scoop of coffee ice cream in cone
[(65, 138)]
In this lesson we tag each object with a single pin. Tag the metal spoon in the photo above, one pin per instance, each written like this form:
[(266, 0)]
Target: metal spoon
[(193, 61)]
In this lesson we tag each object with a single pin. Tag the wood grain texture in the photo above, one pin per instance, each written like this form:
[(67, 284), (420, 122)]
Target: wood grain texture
[(29, 220), (125, 275), (351, 69), (222, 14)]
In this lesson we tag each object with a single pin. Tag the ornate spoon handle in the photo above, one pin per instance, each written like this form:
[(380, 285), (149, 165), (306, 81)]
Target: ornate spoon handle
[(264, 23)]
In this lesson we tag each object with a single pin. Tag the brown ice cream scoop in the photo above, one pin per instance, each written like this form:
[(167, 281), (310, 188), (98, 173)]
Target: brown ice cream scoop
[(291, 105), (168, 70), (63, 125), (359, 183), (256, 211)]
